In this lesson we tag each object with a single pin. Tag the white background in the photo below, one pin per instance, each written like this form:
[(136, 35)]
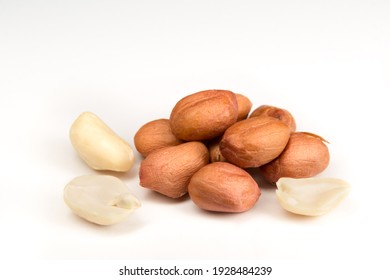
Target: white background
[(129, 62)]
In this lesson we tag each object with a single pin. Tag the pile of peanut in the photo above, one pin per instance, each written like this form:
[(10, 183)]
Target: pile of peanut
[(204, 149), (212, 126)]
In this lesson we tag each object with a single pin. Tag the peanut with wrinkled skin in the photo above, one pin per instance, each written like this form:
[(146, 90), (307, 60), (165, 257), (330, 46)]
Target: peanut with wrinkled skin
[(277, 113), (305, 155), (204, 115), (254, 141), (154, 135), (223, 187), (169, 170), (244, 106)]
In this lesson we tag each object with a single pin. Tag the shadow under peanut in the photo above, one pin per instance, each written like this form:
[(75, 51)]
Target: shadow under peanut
[(132, 174), (159, 198), (131, 224), (261, 182)]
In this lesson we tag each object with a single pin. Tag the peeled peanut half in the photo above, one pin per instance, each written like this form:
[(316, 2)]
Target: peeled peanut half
[(100, 199), (99, 146), (311, 196)]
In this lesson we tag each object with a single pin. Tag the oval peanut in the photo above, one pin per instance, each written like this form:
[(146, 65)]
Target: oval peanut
[(99, 146), (223, 187), (278, 113), (254, 141), (169, 170), (204, 115), (305, 156), (155, 135), (244, 106)]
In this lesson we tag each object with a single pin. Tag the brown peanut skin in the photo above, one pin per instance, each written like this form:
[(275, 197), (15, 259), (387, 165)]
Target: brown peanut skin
[(281, 114), (254, 141), (155, 135), (169, 170), (223, 187), (215, 152), (204, 115), (244, 106), (305, 156)]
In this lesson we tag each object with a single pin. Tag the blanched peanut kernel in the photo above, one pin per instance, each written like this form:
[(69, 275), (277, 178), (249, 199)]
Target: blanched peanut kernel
[(100, 199), (311, 196), (99, 146)]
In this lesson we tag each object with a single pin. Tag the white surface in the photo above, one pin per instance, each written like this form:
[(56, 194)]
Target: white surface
[(328, 62)]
